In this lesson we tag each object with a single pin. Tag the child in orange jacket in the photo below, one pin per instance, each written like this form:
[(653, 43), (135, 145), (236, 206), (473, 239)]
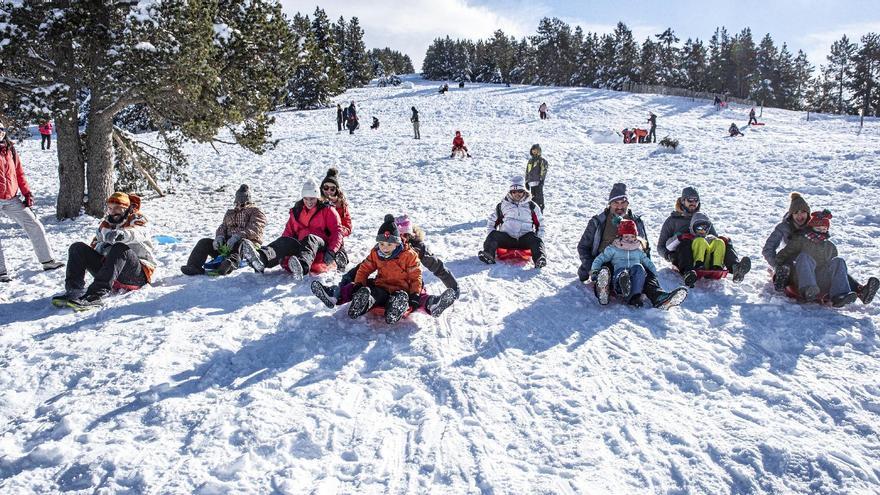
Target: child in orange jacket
[(398, 282)]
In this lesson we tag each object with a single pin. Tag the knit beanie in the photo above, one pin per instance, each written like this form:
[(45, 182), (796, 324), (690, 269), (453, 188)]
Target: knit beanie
[(798, 203), (820, 219), (331, 177), (517, 183), (388, 232), (119, 198), (618, 191), (690, 192), (310, 189), (403, 224), (627, 226), (243, 195)]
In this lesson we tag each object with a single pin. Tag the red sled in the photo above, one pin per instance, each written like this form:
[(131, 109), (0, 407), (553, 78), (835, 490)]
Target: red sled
[(759, 123), (711, 274), (792, 292), (380, 311), (504, 254)]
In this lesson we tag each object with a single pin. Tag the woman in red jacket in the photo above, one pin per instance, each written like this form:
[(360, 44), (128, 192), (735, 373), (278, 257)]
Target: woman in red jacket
[(46, 135), (12, 182), (333, 194), (313, 226)]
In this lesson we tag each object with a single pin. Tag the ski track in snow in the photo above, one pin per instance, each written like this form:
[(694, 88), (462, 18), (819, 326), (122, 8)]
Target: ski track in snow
[(247, 384)]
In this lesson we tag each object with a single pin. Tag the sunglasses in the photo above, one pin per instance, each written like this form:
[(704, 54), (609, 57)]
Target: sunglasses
[(329, 188)]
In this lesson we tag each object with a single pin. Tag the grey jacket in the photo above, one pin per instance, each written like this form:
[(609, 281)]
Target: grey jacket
[(677, 223), (591, 240), (780, 237)]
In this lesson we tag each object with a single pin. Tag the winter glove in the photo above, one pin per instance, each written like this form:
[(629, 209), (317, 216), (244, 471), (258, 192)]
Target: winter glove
[(329, 257), (28, 200), (102, 248), (686, 237), (112, 236), (218, 241), (233, 241)]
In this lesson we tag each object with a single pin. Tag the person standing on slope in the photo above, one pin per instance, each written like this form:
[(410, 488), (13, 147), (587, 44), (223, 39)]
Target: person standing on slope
[(45, 135), (652, 133), (536, 171), (13, 182), (340, 117), (415, 122), (752, 118), (542, 111)]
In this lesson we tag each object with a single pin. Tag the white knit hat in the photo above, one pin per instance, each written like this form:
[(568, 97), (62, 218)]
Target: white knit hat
[(310, 189)]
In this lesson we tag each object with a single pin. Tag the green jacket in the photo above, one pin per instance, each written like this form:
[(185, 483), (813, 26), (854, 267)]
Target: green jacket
[(821, 252)]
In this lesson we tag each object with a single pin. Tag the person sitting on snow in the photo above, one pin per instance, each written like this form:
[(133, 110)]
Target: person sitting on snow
[(794, 224), (600, 233), (628, 136), (398, 282), (375, 123), (516, 223), (676, 240), (458, 145), (414, 237), (119, 257), (443, 88), (628, 259), (244, 222), (313, 226), (817, 267), (734, 130)]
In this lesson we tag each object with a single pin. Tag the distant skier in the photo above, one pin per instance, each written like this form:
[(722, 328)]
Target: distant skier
[(752, 118), (734, 130), (652, 133), (542, 111), (458, 146), (375, 123), (415, 122), (536, 171), (45, 135), (340, 117)]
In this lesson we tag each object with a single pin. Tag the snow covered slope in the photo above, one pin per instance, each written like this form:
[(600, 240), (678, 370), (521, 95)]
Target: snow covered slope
[(247, 384)]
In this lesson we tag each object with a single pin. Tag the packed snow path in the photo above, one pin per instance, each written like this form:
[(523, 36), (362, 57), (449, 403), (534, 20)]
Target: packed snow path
[(247, 384)]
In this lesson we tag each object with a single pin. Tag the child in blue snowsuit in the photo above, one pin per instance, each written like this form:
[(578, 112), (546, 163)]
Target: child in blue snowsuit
[(627, 255)]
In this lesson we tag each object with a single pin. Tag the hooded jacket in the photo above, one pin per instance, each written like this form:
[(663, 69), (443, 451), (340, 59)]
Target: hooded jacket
[(322, 221), (536, 168), (11, 173), (591, 240), (517, 218), (399, 272)]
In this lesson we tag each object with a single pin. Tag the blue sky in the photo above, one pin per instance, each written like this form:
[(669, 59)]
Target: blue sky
[(411, 25)]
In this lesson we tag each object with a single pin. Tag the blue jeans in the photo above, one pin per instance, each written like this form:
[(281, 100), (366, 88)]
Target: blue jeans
[(636, 280), (830, 278)]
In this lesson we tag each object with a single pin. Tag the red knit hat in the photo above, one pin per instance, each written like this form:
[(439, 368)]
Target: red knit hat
[(627, 227), (820, 219)]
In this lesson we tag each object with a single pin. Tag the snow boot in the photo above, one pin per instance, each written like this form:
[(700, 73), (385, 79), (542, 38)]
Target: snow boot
[(192, 270), (636, 301), (810, 293), (671, 299), (60, 300), (741, 268), (690, 278), (625, 284), (361, 302), (89, 301), (780, 277), (603, 281), (486, 258), (226, 267), (436, 305), (51, 265), (867, 291), (842, 300), (397, 305), (541, 263), (341, 261), (5, 278), (325, 294), (253, 256), (295, 267)]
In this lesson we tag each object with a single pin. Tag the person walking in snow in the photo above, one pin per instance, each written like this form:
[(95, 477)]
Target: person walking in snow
[(600, 233), (13, 183), (734, 131), (516, 223), (340, 117), (244, 222), (817, 267), (398, 282), (414, 237), (458, 146), (629, 262), (794, 223), (536, 172), (415, 122), (45, 129), (313, 226), (752, 118), (352, 118), (542, 111), (652, 132), (120, 256), (676, 240)]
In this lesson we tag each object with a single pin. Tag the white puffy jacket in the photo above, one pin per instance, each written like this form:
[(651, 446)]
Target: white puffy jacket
[(517, 218)]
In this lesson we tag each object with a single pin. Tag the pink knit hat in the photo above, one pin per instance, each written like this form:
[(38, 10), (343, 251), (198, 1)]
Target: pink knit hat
[(404, 226)]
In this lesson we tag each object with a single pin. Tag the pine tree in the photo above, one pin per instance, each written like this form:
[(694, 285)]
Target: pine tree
[(649, 66), (803, 71), (695, 74), (669, 73), (626, 57), (743, 58), (765, 84), (322, 33), (587, 62), (840, 62), (356, 64), (865, 80)]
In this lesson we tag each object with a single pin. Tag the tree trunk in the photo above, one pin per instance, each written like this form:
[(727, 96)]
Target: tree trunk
[(71, 169), (99, 153)]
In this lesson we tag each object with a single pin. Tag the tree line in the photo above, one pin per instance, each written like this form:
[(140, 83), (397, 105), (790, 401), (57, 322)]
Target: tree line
[(734, 64), (195, 70)]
